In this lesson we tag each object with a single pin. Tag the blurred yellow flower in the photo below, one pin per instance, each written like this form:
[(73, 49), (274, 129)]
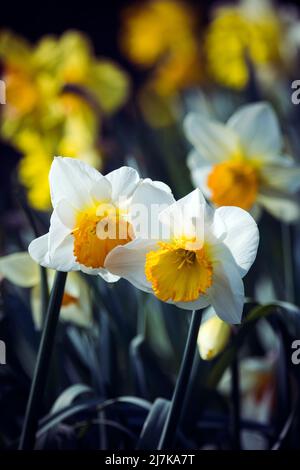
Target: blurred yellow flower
[(50, 90), (20, 269), (36, 75), (161, 33), (75, 137), (250, 31), (29, 86), (76, 65)]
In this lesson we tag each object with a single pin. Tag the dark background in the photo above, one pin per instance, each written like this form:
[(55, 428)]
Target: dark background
[(100, 19)]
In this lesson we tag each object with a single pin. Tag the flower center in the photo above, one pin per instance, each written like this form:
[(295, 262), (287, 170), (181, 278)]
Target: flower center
[(68, 300), (98, 230), (233, 183), (177, 273)]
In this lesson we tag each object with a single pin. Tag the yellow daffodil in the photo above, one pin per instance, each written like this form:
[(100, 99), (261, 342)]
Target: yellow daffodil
[(213, 335), (249, 31), (44, 115), (75, 136), (21, 270), (161, 33), (30, 86), (35, 77), (240, 163), (92, 215), (76, 65), (198, 258)]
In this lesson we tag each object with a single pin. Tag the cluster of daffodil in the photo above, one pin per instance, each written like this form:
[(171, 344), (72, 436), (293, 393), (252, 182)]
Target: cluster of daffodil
[(55, 94), (251, 34), (160, 36), (119, 225), (163, 36)]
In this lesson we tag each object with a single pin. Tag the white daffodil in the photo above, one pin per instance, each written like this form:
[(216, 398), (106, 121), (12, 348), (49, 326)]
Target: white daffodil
[(240, 163), (92, 215), (257, 387), (20, 269), (199, 260), (213, 336)]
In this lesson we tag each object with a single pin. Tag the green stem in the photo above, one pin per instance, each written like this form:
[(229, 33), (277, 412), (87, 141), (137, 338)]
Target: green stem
[(44, 293), (42, 364), (288, 263), (170, 428), (235, 399), (43, 271)]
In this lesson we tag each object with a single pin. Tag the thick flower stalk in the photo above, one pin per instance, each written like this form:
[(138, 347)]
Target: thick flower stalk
[(241, 163)]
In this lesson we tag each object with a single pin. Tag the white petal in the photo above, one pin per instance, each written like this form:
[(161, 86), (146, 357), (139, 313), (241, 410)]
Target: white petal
[(158, 184), (73, 313), (200, 171), (38, 250), (62, 259), (202, 302), (227, 291), (258, 129), (148, 201), (123, 181), (282, 174), (107, 276), (101, 190), (66, 213), (186, 216), (20, 269), (128, 261), (282, 206), (58, 231), (89, 271), (72, 179), (242, 236), (214, 141)]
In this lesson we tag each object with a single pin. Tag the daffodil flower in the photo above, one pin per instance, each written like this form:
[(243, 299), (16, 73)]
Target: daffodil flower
[(213, 336), (199, 260), (92, 215), (257, 389), (21, 270), (161, 34), (240, 163), (248, 30)]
